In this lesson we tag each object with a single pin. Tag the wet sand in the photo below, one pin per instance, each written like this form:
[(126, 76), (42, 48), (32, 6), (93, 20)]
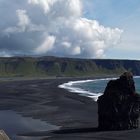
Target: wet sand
[(42, 99)]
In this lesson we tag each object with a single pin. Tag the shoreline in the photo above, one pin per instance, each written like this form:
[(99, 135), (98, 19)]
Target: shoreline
[(83, 92), (43, 100), (69, 86)]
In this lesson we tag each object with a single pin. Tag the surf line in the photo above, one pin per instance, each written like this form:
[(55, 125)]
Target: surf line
[(69, 86)]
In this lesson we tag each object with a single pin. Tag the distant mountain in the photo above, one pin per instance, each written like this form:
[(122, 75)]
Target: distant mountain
[(55, 66)]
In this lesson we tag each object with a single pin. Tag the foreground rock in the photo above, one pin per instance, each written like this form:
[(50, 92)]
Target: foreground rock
[(3, 136), (119, 106)]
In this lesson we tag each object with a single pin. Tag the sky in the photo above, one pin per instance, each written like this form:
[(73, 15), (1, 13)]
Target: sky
[(70, 28)]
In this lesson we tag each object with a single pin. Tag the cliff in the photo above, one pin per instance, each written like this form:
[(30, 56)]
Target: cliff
[(53, 66)]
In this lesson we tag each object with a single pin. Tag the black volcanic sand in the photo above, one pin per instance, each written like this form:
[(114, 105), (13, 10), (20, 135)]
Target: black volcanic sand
[(42, 99)]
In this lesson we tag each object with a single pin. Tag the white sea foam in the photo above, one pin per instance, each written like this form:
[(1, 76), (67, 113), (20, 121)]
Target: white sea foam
[(69, 86), (136, 76)]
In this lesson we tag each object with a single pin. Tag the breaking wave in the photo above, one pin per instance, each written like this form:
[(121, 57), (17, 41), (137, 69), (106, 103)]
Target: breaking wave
[(70, 87)]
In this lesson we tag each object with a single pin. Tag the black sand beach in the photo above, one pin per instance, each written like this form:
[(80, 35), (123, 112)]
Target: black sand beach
[(42, 99)]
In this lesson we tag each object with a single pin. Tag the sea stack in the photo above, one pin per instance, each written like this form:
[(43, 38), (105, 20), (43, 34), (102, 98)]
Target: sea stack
[(119, 106)]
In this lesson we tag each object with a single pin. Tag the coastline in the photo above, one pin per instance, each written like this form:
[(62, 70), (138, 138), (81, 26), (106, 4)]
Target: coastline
[(43, 100), (70, 87)]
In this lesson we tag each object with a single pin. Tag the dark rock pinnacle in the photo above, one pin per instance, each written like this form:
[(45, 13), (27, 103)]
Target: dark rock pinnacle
[(119, 106)]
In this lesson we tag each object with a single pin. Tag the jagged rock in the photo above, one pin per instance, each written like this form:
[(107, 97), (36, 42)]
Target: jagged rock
[(119, 106), (3, 135)]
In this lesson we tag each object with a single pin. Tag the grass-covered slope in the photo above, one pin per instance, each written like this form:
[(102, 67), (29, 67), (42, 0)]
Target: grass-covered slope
[(54, 66)]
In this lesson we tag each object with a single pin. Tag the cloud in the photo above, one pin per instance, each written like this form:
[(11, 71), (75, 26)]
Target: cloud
[(23, 22), (23, 19), (45, 4), (46, 46), (55, 27), (60, 8)]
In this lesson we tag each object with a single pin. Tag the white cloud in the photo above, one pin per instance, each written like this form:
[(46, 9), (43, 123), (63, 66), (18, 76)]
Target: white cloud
[(66, 44), (60, 8), (76, 50), (61, 30), (23, 22), (45, 4), (46, 46)]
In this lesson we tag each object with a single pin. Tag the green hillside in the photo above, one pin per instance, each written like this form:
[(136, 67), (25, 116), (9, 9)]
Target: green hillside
[(55, 66)]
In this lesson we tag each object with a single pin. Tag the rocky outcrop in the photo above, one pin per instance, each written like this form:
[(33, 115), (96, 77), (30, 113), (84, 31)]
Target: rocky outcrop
[(119, 106), (3, 135)]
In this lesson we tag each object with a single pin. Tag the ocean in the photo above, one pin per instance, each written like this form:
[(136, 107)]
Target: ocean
[(93, 88)]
